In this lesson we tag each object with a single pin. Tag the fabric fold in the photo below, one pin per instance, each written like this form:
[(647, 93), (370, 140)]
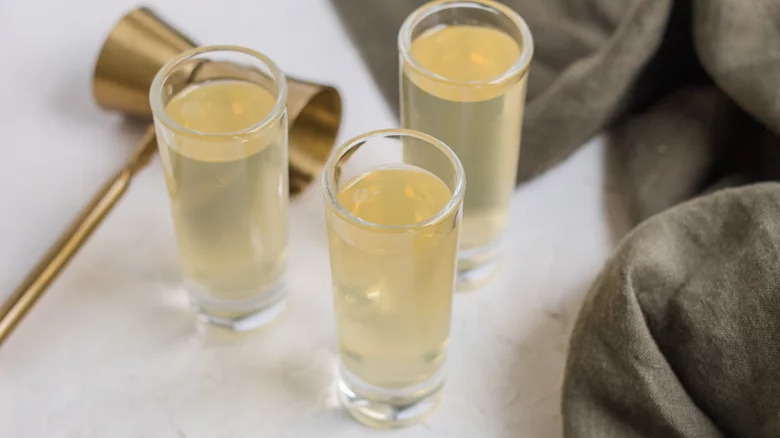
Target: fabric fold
[(677, 336)]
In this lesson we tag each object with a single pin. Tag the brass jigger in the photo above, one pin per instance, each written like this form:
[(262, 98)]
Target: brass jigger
[(138, 45)]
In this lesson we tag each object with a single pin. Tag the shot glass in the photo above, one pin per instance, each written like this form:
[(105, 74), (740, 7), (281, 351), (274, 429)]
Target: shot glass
[(393, 223), (464, 68), (221, 121)]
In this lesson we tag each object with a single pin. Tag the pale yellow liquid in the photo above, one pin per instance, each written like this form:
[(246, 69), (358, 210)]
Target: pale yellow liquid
[(481, 123), (228, 193), (393, 288)]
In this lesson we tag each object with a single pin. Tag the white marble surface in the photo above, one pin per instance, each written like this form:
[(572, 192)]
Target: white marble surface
[(111, 350)]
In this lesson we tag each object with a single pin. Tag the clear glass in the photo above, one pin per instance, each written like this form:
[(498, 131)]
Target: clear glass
[(393, 221), (221, 121), (464, 68)]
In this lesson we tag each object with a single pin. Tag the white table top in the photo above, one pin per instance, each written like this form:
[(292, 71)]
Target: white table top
[(112, 350)]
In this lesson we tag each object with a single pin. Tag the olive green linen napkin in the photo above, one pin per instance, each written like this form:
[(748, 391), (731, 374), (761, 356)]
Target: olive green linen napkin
[(680, 334)]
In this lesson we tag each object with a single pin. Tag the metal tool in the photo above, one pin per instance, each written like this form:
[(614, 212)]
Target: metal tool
[(138, 45)]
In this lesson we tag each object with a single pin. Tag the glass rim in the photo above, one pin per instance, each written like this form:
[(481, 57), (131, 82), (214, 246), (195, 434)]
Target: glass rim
[(158, 108), (329, 177), (424, 11)]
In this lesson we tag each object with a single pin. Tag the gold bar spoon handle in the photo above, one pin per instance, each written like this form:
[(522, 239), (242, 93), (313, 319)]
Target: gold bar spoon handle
[(47, 269)]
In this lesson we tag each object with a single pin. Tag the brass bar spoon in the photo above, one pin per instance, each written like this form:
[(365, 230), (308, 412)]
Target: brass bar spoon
[(24, 297)]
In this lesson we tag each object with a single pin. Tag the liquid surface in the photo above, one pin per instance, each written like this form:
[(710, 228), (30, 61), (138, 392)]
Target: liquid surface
[(393, 288), (221, 106), (228, 193), (399, 195), (465, 52), (480, 122)]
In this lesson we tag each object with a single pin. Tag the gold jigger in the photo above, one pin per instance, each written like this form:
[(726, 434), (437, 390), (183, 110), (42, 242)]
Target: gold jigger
[(138, 45)]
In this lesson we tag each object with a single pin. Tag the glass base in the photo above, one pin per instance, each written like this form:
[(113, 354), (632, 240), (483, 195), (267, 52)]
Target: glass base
[(388, 408), (238, 315), (477, 266)]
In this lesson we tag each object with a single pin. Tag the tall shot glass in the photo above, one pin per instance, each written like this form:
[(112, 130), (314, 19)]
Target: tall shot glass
[(393, 222), (464, 68), (221, 121)]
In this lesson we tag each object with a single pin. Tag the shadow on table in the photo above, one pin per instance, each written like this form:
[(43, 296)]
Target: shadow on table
[(537, 368), (74, 100), (617, 203)]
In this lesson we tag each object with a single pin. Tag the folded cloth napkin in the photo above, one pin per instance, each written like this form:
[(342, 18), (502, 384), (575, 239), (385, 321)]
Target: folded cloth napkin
[(679, 335)]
